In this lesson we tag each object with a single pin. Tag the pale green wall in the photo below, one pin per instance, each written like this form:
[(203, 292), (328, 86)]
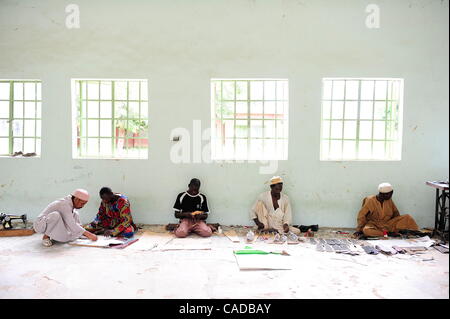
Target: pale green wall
[(178, 46)]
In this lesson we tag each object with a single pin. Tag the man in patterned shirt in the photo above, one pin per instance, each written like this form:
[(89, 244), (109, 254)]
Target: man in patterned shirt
[(114, 215)]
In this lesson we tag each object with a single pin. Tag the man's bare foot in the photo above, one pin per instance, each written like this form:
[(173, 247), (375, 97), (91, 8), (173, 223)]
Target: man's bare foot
[(45, 237)]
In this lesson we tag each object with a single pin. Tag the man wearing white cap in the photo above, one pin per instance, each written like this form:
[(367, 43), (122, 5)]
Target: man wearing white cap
[(272, 209), (60, 220), (379, 215)]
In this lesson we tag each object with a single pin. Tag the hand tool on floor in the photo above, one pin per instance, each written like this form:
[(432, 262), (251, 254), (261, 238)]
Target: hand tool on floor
[(259, 252)]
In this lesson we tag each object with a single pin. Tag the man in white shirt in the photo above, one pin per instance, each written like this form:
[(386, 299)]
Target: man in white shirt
[(272, 209), (60, 220)]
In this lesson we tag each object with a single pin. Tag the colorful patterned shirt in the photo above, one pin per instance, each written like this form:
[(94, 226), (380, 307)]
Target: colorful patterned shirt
[(116, 216)]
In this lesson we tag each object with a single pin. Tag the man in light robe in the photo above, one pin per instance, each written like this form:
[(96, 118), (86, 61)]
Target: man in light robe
[(379, 215), (60, 220), (272, 210)]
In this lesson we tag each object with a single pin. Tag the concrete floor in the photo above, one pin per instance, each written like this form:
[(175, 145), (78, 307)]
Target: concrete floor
[(29, 270)]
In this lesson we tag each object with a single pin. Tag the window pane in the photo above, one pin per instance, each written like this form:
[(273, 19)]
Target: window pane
[(336, 129), (350, 130), (38, 128), (349, 150), (351, 90), (105, 90), (326, 109), (17, 145), (4, 91), (241, 129), (105, 109), (133, 88), (241, 109), (256, 128), (338, 90), (105, 147), (256, 110), (256, 90), (336, 149), (337, 110), (367, 88), (120, 90), (38, 97), (326, 91), (256, 149), (144, 91), (241, 90), (144, 110), (4, 109), (380, 90), (18, 109), (30, 91), (92, 147), (29, 128), (38, 110), (30, 109), (324, 149), (379, 130), (351, 110), (326, 129), (17, 127), (105, 128), (380, 111), (133, 110), (28, 146), (92, 128), (18, 91), (269, 129), (365, 130), (93, 88), (4, 128), (269, 90), (4, 146), (269, 109), (366, 112), (93, 109), (229, 128), (241, 149), (365, 150), (228, 90), (378, 150)]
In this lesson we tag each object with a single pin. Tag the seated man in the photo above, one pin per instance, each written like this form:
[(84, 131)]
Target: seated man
[(60, 220), (191, 208), (272, 210), (379, 214), (114, 215)]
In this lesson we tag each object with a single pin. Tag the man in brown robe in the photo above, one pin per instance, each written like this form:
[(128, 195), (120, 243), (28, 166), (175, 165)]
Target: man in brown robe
[(379, 214)]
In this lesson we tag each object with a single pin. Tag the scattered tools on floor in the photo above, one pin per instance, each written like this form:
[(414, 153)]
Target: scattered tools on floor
[(371, 250), (232, 235), (249, 251), (441, 248)]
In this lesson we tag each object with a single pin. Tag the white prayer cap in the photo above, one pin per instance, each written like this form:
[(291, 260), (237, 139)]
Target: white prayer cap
[(276, 180), (385, 188), (81, 194)]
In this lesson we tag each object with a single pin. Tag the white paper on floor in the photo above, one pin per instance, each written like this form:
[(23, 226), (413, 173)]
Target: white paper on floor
[(102, 241), (264, 262)]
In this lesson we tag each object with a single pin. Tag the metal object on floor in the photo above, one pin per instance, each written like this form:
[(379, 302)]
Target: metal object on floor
[(6, 220), (441, 210)]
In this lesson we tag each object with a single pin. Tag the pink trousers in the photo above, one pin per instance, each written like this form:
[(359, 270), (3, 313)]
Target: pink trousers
[(188, 226)]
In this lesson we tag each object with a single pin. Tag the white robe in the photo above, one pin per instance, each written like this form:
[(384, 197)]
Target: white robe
[(60, 221), (275, 218)]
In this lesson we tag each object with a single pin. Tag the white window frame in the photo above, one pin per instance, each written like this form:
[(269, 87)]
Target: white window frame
[(37, 119), (399, 119), (77, 115), (284, 136)]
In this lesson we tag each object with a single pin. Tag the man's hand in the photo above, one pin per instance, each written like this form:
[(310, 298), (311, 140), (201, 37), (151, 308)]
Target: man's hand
[(107, 233), (286, 228), (357, 234), (90, 235)]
